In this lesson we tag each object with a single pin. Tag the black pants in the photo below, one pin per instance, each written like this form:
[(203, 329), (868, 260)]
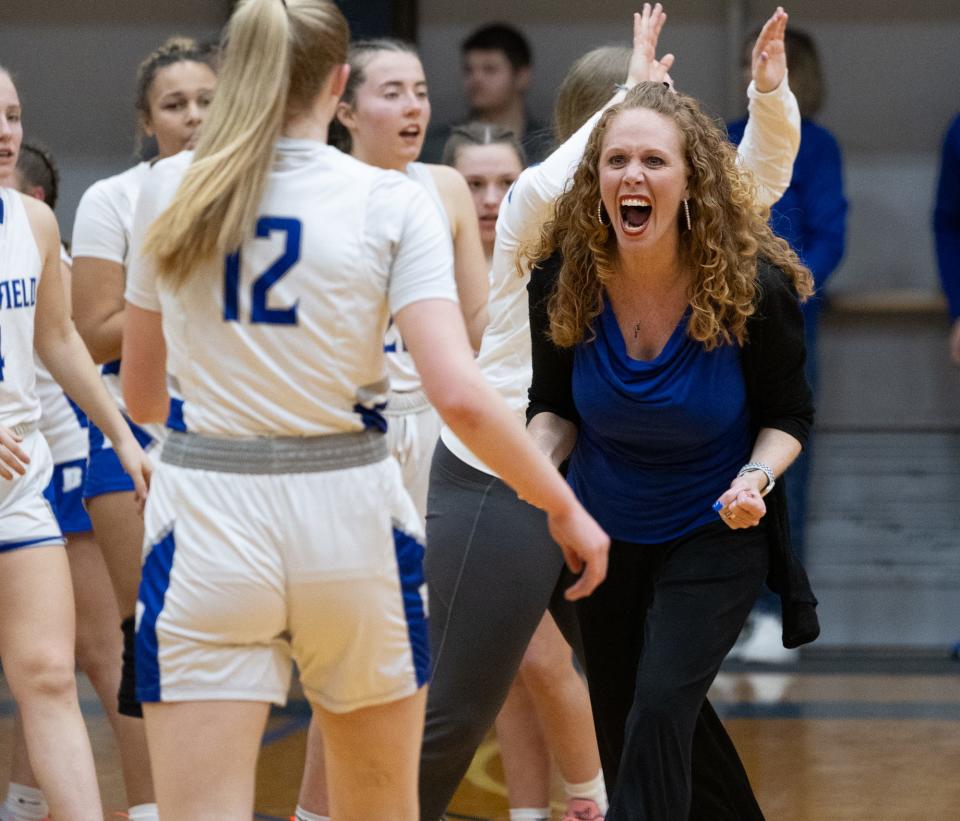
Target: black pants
[(654, 635), (492, 570)]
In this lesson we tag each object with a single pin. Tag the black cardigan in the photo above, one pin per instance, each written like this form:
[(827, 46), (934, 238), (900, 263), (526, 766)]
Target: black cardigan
[(778, 396)]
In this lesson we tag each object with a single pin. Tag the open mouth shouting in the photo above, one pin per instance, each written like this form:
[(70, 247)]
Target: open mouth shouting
[(411, 133), (635, 213)]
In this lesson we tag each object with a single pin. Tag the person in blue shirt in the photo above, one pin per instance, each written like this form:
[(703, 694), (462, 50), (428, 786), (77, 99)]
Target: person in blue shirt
[(668, 362), (812, 217), (946, 230)]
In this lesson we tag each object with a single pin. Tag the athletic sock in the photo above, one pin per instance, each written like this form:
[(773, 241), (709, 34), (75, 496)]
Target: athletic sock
[(594, 790), (302, 815), (24, 804), (143, 812), (529, 814)]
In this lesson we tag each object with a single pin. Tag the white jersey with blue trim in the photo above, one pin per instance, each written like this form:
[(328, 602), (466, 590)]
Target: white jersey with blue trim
[(285, 337), (62, 423), (403, 373), (103, 229), (20, 269)]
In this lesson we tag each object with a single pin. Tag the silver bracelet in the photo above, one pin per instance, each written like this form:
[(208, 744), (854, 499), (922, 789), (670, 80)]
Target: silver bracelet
[(765, 469)]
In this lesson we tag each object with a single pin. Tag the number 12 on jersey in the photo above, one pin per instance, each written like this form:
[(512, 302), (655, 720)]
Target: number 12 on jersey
[(260, 313)]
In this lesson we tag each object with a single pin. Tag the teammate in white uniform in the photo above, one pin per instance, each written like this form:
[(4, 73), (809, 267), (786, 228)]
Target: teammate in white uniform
[(278, 526), (472, 525), (36, 601), (174, 87), (382, 120), (99, 644), (547, 712)]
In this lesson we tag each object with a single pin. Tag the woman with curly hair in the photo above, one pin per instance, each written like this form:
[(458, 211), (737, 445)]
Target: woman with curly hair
[(668, 353)]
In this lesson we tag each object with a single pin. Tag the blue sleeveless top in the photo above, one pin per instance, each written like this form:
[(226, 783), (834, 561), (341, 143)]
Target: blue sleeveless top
[(659, 440)]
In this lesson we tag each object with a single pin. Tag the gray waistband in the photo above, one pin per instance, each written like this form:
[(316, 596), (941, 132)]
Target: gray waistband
[(403, 402), (274, 454)]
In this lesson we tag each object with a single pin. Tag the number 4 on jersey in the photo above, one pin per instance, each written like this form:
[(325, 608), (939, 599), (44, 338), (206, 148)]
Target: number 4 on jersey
[(260, 313)]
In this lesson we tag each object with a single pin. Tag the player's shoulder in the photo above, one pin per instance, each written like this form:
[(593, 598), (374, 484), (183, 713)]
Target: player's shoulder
[(38, 212), (166, 173), (358, 170), (447, 179), (387, 190), (42, 221), (116, 188)]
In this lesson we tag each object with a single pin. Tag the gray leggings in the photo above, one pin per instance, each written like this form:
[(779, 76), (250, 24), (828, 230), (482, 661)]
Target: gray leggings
[(492, 571)]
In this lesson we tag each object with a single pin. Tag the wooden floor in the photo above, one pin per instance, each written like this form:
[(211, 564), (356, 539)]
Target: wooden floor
[(833, 739)]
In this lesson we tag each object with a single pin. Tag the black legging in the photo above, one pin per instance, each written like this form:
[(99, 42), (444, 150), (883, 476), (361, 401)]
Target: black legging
[(655, 633)]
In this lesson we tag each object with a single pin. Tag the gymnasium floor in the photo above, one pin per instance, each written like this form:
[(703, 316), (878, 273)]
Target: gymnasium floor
[(839, 737)]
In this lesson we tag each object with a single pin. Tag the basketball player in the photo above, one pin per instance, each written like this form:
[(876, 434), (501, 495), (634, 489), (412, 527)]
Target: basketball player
[(278, 526), (99, 645), (36, 599), (382, 120), (174, 87)]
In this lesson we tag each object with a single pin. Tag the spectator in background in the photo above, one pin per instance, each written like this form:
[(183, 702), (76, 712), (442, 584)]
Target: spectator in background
[(946, 230), (497, 63), (812, 217)]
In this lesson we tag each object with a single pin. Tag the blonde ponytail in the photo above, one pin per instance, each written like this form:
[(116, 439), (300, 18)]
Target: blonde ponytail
[(277, 56)]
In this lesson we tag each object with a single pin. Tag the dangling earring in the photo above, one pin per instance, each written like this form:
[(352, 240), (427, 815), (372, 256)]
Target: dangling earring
[(600, 214), (686, 211)]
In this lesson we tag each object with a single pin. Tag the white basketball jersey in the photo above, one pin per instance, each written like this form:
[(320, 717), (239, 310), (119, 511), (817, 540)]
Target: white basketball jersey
[(103, 229), (20, 268), (403, 373), (285, 337), (62, 423)]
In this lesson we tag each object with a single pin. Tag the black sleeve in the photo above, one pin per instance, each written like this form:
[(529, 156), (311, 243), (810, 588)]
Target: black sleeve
[(551, 389), (777, 390)]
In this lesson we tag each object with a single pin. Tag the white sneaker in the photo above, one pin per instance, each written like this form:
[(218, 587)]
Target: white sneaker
[(764, 644)]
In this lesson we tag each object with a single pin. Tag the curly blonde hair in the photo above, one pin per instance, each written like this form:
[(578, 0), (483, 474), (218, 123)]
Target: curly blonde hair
[(728, 234)]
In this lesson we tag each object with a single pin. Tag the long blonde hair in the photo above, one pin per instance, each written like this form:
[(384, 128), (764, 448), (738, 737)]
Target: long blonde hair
[(277, 55), (727, 237), (587, 87)]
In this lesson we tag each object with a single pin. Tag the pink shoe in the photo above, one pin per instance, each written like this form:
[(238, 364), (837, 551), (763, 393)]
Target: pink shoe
[(582, 809)]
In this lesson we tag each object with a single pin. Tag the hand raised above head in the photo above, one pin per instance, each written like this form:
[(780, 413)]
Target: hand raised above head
[(644, 64), (769, 61)]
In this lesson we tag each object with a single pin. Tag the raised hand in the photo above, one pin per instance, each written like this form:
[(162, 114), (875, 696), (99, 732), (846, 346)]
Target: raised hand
[(644, 64), (769, 62)]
